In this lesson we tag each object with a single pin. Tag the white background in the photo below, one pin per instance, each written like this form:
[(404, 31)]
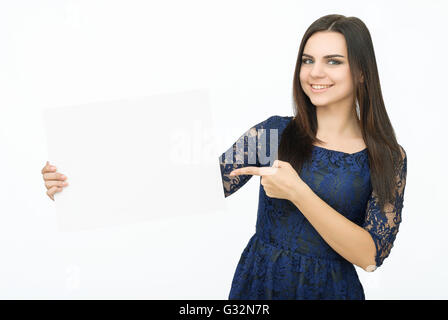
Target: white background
[(62, 53)]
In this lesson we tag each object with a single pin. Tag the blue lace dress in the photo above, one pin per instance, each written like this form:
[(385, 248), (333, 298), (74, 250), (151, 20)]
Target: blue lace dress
[(286, 258)]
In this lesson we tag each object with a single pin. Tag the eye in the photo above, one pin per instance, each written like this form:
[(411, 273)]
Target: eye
[(303, 60), (336, 62)]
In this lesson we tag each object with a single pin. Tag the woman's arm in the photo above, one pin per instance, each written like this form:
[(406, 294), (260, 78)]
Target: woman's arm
[(367, 245), (348, 239)]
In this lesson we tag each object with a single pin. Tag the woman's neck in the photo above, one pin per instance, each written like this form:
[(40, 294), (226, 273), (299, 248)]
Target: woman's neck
[(337, 123)]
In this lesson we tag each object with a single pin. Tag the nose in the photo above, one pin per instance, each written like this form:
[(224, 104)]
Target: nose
[(317, 71)]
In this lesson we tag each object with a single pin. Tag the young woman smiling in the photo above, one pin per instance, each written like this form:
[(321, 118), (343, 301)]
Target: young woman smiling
[(334, 196)]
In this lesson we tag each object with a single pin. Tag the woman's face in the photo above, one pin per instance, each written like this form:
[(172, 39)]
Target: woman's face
[(316, 68)]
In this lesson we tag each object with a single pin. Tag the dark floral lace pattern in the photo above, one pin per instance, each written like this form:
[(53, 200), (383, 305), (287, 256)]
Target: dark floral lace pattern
[(286, 258), (383, 226), (251, 149)]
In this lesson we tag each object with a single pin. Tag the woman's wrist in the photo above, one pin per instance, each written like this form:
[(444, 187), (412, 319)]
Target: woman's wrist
[(298, 192)]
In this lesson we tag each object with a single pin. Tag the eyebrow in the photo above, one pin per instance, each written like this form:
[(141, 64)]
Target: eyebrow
[(328, 56)]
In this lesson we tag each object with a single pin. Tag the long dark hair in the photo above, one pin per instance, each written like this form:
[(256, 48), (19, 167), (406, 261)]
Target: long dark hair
[(379, 136)]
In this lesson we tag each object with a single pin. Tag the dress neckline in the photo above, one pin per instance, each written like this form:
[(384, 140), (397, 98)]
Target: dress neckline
[(336, 151), (341, 152)]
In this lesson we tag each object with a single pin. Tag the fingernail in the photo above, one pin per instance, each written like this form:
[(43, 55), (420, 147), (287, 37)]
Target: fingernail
[(52, 168), (232, 173), (65, 184)]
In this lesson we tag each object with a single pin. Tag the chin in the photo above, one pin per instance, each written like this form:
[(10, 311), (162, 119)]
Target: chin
[(320, 102)]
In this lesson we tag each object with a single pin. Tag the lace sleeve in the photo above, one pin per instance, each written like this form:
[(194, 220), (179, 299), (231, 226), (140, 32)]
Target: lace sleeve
[(249, 150), (383, 227)]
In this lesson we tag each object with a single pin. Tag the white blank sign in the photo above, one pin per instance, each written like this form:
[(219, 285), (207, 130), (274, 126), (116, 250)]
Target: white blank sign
[(134, 159)]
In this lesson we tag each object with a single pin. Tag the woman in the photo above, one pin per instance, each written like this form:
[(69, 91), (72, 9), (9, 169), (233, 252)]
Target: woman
[(334, 198)]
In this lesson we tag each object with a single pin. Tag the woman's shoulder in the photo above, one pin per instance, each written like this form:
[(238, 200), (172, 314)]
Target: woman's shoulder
[(403, 152), (403, 160), (275, 122)]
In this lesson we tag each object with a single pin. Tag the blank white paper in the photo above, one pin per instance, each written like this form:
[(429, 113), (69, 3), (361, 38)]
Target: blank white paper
[(135, 159)]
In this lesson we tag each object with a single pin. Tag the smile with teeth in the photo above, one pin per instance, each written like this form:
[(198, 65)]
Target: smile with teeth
[(317, 86)]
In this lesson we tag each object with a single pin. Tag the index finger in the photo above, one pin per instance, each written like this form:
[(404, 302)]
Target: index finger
[(256, 171)]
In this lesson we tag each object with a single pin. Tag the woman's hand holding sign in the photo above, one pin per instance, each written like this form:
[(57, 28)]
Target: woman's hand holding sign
[(279, 181)]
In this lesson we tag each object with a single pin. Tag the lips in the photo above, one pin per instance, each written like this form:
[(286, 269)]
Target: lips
[(320, 90)]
